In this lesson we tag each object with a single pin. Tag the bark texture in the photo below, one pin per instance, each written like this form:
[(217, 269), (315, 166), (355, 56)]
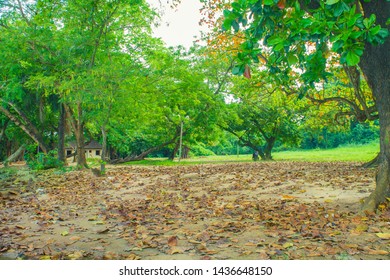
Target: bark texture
[(15, 155), (61, 134), (77, 123), (21, 120), (375, 64), (104, 151)]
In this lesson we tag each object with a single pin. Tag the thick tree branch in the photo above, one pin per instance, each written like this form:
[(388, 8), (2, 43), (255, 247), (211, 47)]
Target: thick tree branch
[(243, 141), (225, 76), (28, 128), (15, 155), (145, 153), (20, 7)]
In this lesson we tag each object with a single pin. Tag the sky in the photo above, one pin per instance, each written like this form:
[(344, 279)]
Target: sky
[(179, 26)]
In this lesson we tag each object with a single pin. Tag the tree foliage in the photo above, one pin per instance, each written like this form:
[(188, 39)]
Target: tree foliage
[(262, 115), (302, 36)]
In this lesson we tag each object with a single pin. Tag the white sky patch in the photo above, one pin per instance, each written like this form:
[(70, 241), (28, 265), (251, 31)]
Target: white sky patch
[(179, 26)]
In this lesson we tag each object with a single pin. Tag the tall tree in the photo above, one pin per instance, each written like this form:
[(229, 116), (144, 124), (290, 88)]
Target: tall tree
[(98, 30), (66, 45), (261, 116), (24, 107), (298, 33), (176, 101)]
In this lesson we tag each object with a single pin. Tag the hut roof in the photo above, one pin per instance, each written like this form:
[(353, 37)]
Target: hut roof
[(92, 144)]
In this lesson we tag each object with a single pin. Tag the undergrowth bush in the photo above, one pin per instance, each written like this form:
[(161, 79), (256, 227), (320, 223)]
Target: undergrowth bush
[(41, 161), (201, 150)]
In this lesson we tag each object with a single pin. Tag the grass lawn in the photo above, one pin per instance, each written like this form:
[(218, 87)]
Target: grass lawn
[(360, 153), (345, 153)]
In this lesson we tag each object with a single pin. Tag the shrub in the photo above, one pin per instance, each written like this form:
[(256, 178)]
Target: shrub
[(42, 161), (201, 150)]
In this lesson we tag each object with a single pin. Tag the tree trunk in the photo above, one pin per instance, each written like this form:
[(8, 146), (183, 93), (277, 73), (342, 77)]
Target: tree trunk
[(15, 155), (104, 151), (8, 148), (249, 144), (185, 153), (78, 129), (268, 148), (372, 163), (29, 129), (174, 151), (61, 134), (375, 64), (80, 142), (246, 143)]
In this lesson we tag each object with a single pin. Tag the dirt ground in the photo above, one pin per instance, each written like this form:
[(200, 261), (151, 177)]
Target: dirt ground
[(262, 210)]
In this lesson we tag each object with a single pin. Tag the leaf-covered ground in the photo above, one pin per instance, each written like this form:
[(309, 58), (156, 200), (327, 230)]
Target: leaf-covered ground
[(272, 210)]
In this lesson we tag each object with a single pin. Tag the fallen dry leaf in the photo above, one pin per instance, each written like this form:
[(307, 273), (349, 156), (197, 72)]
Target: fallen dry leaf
[(172, 241), (74, 238), (288, 245), (110, 256), (288, 197), (384, 235), (361, 228), (221, 210), (377, 252), (76, 255), (133, 257), (176, 250), (103, 231)]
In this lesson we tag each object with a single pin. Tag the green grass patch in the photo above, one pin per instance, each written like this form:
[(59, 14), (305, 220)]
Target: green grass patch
[(353, 153), (361, 153)]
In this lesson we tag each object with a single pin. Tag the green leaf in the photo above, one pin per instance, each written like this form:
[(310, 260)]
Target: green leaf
[(236, 6), (248, 45), (235, 26), (332, 2), (268, 2), (279, 46), (292, 59), (355, 35), (274, 40), (338, 9), (353, 20), (359, 51), (227, 24), (238, 70), (366, 23), (383, 33), (337, 45), (226, 13), (375, 30), (352, 58), (372, 19), (255, 58)]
